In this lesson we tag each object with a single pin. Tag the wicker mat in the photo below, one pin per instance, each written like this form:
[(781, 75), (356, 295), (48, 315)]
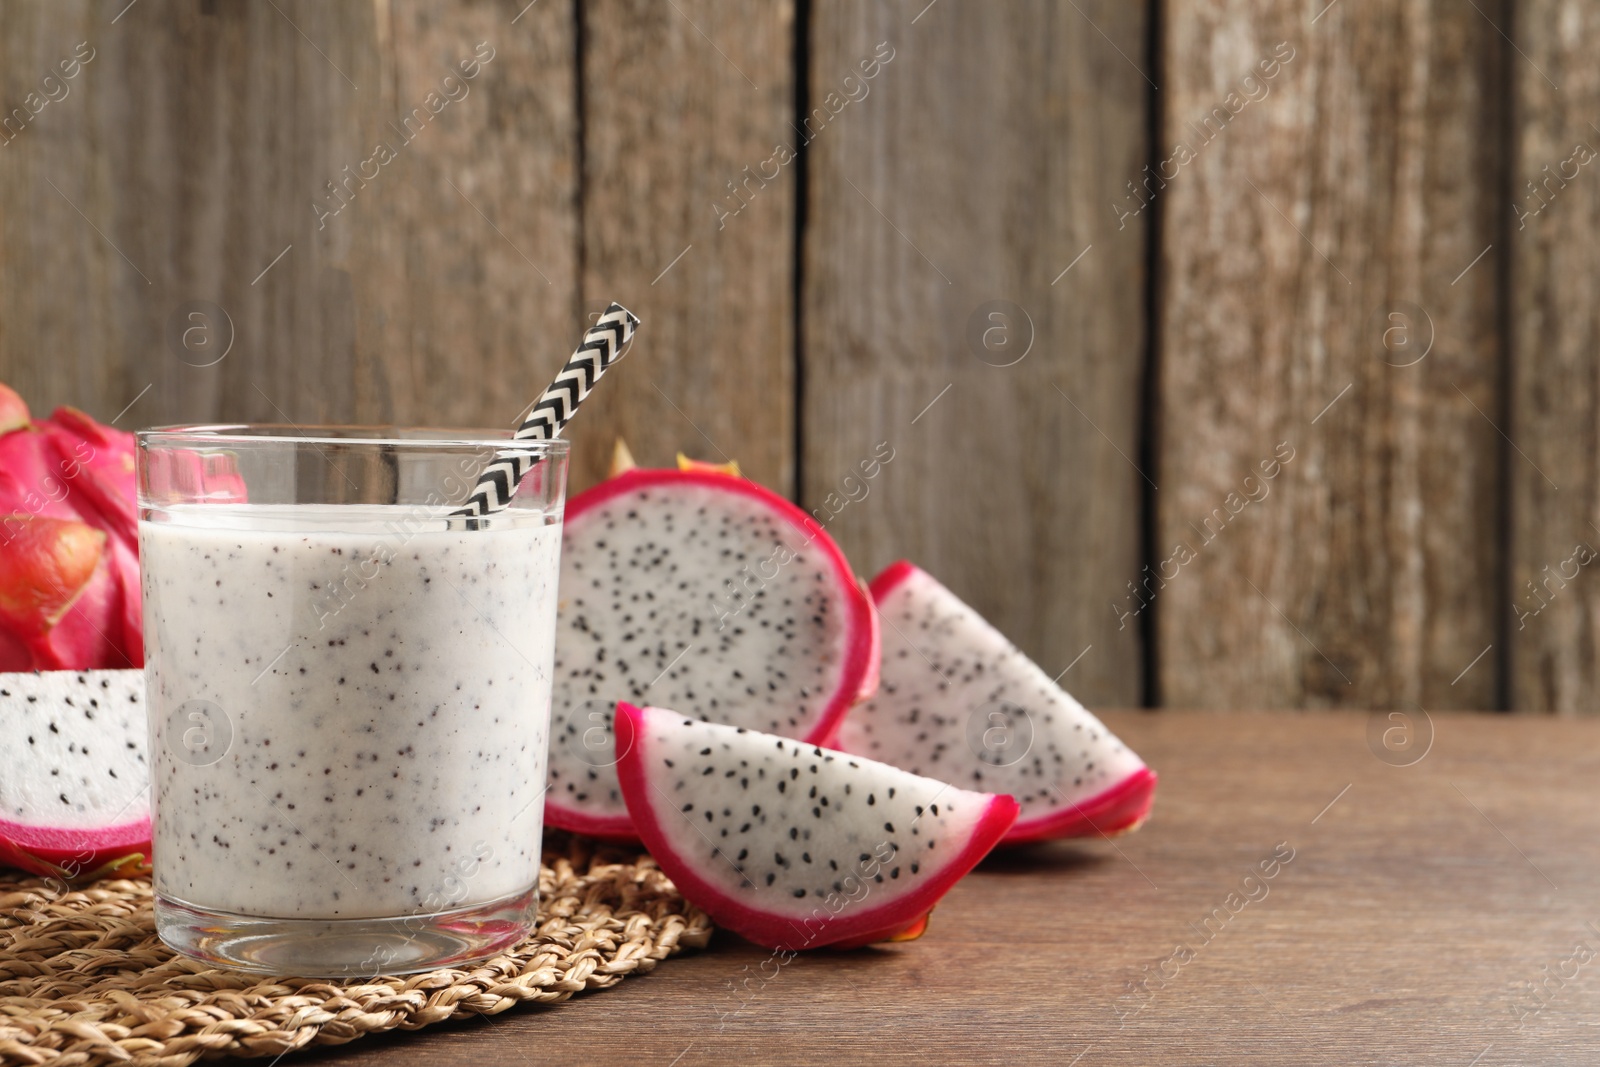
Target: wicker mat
[(83, 979)]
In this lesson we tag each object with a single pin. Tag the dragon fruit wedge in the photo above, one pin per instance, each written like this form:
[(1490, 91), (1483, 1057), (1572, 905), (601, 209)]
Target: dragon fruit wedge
[(74, 781), (69, 549), (794, 846), (703, 591), (960, 702)]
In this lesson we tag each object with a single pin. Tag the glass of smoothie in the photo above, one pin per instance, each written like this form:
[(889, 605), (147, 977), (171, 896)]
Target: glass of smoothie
[(349, 693)]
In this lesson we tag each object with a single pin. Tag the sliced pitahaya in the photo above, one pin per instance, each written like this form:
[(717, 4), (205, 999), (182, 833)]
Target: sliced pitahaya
[(703, 591), (68, 468), (958, 701), (794, 846), (74, 781)]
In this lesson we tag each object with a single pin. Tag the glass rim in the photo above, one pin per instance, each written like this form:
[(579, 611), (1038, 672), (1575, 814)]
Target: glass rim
[(347, 434)]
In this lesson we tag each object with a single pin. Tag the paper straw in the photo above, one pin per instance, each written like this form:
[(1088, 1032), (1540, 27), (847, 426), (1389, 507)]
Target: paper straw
[(601, 347)]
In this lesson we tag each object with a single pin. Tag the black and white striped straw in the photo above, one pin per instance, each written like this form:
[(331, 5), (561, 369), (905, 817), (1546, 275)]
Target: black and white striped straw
[(601, 347)]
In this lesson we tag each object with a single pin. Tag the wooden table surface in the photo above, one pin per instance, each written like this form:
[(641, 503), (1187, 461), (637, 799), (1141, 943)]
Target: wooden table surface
[(1444, 912)]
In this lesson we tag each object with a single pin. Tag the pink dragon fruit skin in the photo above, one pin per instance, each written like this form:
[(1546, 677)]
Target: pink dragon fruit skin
[(70, 468), (97, 462)]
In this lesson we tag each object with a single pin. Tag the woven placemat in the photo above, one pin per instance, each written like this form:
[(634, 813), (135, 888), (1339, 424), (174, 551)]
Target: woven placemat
[(84, 980)]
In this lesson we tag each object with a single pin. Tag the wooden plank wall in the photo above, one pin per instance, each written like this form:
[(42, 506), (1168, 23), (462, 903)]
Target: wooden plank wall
[(204, 141), (939, 227), (1555, 345), (1230, 352), (1341, 184), (679, 99)]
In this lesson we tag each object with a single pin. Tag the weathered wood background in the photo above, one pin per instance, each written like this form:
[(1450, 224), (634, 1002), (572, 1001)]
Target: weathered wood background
[(1239, 352)]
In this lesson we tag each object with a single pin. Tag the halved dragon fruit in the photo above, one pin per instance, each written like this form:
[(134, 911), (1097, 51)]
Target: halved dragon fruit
[(700, 590), (960, 702), (74, 780), (791, 845)]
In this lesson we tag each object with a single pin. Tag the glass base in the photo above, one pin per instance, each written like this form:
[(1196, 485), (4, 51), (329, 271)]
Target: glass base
[(346, 948)]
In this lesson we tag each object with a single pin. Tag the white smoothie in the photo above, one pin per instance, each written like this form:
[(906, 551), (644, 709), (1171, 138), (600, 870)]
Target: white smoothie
[(378, 680)]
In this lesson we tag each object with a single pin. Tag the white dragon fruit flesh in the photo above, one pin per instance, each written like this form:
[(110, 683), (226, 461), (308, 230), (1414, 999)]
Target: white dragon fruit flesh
[(74, 778), (699, 590), (791, 845), (958, 701)]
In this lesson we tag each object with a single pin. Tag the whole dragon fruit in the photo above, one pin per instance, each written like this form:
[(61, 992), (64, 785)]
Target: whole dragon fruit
[(69, 547)]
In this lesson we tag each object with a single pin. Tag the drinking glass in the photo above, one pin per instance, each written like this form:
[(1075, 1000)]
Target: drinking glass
[(349, 693)]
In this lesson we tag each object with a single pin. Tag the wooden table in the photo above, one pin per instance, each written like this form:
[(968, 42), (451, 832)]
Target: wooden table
[(1421, 903)]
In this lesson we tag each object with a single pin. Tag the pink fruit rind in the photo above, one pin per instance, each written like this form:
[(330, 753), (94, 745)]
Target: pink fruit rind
[(849, 928), (73, 854), (86, 606), (891, 576), (98, 461), (1119, 809), (869, 685), (71, 467), (859, 671), (617, 828)]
